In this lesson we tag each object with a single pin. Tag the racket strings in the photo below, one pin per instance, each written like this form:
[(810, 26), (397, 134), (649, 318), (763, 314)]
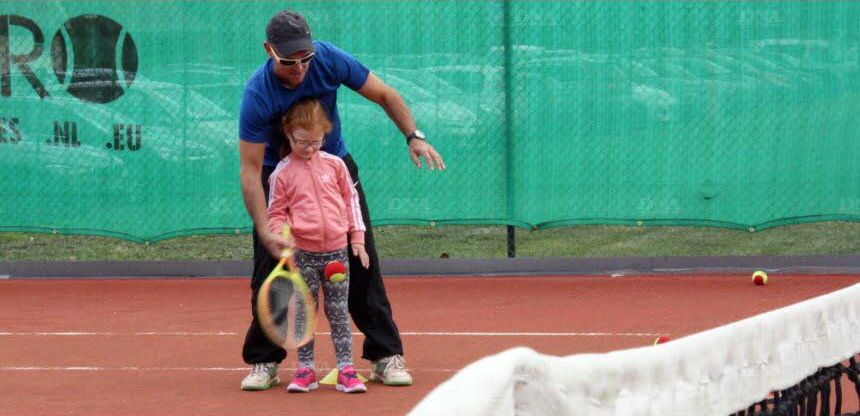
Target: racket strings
[(289, 311)]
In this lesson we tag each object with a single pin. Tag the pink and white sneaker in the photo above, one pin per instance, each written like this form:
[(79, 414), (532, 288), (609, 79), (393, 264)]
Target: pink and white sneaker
[(348, 381), (304, 381)]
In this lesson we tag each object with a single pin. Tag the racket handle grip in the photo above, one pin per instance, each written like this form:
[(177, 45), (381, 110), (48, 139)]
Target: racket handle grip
[(285, 233)]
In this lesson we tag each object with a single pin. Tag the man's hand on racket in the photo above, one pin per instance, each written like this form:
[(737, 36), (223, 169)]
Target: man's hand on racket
[(420, 148), (359, 251), (275, 243)]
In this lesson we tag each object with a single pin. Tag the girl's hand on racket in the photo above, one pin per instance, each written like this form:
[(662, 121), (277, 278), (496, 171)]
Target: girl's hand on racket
[(359, 251), (420, 148), (275, 243)]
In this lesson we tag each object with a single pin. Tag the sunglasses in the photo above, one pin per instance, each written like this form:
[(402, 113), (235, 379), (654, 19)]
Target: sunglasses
[(291, 62)]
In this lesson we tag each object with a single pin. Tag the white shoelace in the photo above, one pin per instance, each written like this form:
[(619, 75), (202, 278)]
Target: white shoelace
[(395, 363), (260, 368)]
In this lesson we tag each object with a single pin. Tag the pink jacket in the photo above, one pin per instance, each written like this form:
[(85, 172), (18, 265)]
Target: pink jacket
[(317, 198)]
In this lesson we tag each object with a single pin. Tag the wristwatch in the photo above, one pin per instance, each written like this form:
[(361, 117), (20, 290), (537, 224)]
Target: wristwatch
[(417, 134)]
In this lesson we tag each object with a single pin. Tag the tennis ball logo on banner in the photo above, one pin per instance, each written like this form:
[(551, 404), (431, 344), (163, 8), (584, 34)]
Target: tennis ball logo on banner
[(95, 43), (92, 56)]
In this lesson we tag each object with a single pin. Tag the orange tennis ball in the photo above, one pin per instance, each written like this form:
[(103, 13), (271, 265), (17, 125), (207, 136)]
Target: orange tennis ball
[(335, 271), (662, 339), (759, 278)]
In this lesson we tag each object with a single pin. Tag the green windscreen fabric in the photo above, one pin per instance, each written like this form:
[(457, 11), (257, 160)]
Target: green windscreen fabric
[(120, 118)]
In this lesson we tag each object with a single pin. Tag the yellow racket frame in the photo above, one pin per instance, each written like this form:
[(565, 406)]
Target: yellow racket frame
[(264, 315)]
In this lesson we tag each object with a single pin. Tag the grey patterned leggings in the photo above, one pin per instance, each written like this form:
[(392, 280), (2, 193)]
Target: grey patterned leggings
[(311, 266)]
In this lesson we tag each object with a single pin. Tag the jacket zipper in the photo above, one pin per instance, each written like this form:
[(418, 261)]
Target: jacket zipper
[(319, 205)]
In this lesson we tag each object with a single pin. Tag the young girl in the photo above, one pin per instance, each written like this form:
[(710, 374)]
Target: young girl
[(311, 190)]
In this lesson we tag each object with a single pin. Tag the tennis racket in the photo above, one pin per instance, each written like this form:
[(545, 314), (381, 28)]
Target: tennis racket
[(285, 306)]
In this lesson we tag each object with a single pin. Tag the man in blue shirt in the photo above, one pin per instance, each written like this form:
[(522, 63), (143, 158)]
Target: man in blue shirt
[(300, 67)]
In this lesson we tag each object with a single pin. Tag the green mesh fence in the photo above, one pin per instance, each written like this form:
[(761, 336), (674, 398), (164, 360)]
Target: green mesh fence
[(120, 118)]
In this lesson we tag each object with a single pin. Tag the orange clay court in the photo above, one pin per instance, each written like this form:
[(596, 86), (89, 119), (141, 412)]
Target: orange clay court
[(173, 346)]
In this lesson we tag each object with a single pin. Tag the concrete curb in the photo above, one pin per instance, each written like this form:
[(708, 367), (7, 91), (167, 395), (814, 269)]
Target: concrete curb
[(848, 264)]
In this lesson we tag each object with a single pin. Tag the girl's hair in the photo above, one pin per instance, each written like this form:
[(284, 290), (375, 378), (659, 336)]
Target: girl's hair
[(307, 114)]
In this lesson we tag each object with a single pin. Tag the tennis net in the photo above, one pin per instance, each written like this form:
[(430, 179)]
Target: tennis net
[(797, 360)]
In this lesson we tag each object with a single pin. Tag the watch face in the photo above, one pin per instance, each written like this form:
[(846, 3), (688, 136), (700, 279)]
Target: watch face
[(419, 134)]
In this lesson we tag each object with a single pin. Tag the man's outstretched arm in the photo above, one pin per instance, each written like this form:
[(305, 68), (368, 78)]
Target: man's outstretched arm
[(390, 100)]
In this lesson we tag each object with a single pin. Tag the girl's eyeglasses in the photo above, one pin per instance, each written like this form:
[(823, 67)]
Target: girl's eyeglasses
[(291, 62), (305, 143)]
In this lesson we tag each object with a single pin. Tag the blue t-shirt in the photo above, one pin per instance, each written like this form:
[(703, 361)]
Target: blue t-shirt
[(266, 100)]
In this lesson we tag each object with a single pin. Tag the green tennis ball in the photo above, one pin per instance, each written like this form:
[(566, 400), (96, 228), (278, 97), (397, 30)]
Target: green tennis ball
[(337, 277), (759, 278)]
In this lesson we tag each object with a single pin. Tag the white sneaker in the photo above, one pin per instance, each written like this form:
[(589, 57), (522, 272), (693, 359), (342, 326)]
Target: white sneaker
[(261, 377), (391, 371)]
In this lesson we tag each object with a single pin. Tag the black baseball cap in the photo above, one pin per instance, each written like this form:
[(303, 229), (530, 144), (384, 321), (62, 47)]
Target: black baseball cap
[(288, 32)]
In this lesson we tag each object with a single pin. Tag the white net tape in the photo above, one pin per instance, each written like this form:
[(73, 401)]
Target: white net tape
[(715, 372)]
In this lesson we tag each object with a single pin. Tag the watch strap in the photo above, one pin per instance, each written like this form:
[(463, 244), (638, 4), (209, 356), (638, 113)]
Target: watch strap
[(413, 135)]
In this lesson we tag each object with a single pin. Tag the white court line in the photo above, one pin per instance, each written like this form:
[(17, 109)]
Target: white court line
[(222, 333), (109, 334), (531, 334), (430, 334), (212, 369)]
